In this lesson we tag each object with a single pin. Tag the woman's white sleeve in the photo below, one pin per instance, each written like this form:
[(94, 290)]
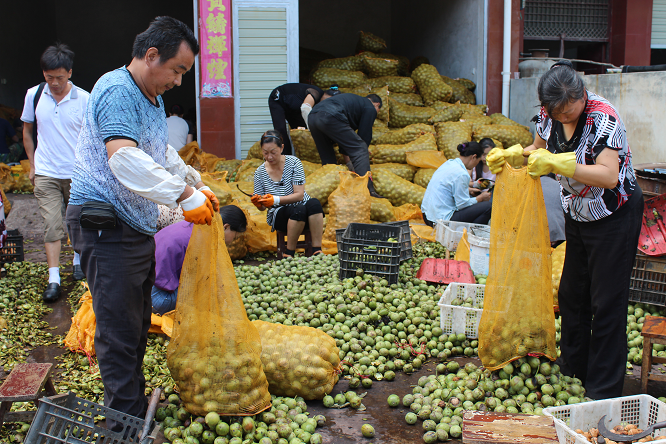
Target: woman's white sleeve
[(175, 165), (137, 171)]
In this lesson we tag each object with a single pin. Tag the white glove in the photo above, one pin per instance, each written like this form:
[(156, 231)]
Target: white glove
[(137, 171), (196, 200), (175, 165), (207, 188), (305, 112)]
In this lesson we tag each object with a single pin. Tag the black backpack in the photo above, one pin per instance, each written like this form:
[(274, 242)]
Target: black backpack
[(34, 105)]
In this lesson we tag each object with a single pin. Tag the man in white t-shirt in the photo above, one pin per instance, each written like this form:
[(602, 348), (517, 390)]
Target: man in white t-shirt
[(179, 130), (59, 115)]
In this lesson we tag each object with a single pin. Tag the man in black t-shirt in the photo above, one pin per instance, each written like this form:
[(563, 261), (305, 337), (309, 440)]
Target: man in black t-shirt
[(336, 120)]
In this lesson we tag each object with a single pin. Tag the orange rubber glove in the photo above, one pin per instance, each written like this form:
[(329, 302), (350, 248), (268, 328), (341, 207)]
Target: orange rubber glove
[(256, 200), (268, 200), (212, 197), (197, 208)]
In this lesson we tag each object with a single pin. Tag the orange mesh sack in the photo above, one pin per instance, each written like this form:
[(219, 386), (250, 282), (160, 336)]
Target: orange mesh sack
[(350, 202), (519, 278), (81, 335), (298, 361), (426, 159), (215, 352), (6, 179), (323, 182)]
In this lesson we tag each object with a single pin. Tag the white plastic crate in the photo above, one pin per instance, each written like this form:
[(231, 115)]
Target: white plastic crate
[(641, 410), (456, 319), (449, 233)]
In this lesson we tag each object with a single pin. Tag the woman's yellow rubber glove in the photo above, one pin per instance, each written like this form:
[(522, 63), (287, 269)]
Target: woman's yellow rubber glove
[(542, 162), (498, 156)]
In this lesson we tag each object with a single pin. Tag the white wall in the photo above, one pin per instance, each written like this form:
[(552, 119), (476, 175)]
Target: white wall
[(450, 33), (333, 27), (638, 97)]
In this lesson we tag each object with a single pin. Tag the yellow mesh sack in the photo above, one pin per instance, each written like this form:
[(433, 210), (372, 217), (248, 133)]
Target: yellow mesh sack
[(381, 210), (237, 249), (81, 335), (215, 352), (557, 258), (422, 232), (350, 202), (255, 151), (430, 84), (402, 115), (396, 84), (327, 77), (258, 235), (310, 167), (401, 169), (519, 278), (448, 114), (404, 135), (396, 189), (21, 179), (425, 159), (6, 179), (230, 166), (323, 182), (398, 153), (219, 186), (462, 251), (246, 171), (304, 146), (6, 204), (501, 119), (378, 67), (410, 99), (423, 176), (409, 212), (298, 361), (509, 135), (190, 154), (452, 134)]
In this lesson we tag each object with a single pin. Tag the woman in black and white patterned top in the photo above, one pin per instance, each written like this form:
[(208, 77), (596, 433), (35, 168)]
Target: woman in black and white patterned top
[(279, 186)]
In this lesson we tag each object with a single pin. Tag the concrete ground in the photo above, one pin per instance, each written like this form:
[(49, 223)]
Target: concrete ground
[(342, 426)]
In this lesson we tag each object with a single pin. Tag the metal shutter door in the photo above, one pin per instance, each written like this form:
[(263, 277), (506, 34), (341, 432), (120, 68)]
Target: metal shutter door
[(262, 66)]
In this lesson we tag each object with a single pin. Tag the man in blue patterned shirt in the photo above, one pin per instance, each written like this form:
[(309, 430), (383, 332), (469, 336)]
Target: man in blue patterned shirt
[(124, 168)]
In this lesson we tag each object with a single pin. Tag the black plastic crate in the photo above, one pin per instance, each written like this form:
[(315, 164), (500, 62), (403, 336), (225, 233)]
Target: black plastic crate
[(68, 419), (405, 238), (648, 280), (365, 246), (12, 249)]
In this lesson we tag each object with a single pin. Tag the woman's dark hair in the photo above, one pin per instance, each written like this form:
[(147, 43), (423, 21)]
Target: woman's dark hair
[(235, 217), (272, 136), (487, 142), (166, 34), (374, 98), (470, 149), (56, 57), (559, 86)]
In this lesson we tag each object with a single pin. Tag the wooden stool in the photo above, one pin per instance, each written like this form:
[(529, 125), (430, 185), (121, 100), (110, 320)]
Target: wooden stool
[(305, 244), (654, 332), (26, 382)]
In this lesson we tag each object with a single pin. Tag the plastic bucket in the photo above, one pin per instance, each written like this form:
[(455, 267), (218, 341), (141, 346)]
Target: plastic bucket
[(479, 253)]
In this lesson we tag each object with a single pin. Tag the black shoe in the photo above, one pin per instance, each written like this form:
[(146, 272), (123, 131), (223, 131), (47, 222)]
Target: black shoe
[(377, 195), (77, 273), (52, 292)]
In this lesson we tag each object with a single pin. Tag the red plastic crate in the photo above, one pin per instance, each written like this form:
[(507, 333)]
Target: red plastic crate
[(445, 271)]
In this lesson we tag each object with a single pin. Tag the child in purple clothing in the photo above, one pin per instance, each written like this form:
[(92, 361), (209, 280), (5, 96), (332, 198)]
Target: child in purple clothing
[(170, 247)]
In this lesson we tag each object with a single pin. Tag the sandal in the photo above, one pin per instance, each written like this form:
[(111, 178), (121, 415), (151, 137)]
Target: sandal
[(287, 256), (317, 253)]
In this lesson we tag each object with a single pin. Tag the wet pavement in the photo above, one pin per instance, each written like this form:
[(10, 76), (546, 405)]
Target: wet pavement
[(343, 426)]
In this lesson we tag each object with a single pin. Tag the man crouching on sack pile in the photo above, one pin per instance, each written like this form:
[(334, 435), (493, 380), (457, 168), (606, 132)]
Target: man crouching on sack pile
[(124, 169)]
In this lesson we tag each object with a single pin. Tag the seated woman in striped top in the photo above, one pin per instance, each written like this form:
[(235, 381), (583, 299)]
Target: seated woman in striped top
[(279, 186)]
